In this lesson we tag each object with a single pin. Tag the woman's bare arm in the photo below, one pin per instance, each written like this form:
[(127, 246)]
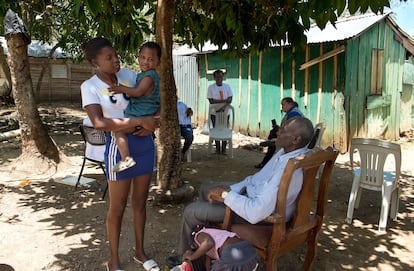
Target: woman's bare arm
[(100, 122)]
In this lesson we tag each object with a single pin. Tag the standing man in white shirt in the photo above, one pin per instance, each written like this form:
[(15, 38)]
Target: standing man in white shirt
[(219, 93)]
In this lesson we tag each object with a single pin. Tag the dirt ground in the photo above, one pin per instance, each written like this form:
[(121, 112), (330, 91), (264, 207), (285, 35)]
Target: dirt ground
[(46, 225)]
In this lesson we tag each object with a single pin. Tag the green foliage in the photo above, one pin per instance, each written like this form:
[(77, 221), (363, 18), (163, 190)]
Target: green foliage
[(254, 25), (126, 23), (71, 23), (240, 25)]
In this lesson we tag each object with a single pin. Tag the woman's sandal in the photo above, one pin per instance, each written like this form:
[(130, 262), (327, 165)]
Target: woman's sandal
[(107, 268)]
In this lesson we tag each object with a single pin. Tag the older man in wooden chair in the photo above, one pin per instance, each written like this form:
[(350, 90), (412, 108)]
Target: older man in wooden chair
[(254, 198)]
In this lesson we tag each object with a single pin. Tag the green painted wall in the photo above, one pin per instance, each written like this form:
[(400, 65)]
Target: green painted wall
[(369, 115), (255, 106), (345, 105)]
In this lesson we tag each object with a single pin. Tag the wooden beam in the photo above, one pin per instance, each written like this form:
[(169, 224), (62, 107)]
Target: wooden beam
[(240, 80), (259, 82), (282, 56), (249, 84), (293, 74), (305, 100), (401, 36), (323, 57), (206, 108), (320, 85)]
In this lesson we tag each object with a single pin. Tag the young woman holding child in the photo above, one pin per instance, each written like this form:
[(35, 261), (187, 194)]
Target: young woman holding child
[(106, 111)]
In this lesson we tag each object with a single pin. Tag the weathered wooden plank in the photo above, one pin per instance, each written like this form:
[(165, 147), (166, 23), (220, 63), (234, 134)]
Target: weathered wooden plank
[(378, 101)]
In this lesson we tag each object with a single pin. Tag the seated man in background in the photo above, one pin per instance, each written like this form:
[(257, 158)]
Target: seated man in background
[(184, 118), (252, 199), (290, 107), (271, 147)]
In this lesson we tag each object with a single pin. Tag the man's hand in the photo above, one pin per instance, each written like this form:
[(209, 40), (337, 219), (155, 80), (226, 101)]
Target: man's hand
[(189, 112), (215, 192)]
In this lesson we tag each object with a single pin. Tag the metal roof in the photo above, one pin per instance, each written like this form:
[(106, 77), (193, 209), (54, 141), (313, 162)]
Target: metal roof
[(38, 49), (345, 28)]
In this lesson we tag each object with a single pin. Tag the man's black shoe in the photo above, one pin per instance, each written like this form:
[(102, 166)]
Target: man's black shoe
[(263, 144), (267, 143), (173, 261)]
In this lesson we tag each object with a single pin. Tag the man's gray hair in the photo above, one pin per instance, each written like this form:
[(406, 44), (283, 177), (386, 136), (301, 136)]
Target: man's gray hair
[(304, 129)]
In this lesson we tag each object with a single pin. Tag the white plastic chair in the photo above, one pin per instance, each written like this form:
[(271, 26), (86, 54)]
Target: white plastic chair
[(223, 129), (371, 175), (188, 153), (315, 142)]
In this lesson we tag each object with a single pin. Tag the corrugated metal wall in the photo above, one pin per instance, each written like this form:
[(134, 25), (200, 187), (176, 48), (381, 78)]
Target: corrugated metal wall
[(186, 80), (335, 91), (259, 82)]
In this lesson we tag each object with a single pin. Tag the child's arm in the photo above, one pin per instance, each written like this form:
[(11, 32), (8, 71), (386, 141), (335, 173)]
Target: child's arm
[(144, 88), (206, 243)]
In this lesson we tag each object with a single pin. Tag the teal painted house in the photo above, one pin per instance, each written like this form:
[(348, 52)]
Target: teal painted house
[(357, 77)]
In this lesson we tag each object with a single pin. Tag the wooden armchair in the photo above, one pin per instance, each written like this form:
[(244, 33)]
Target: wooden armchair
[(272, 241)]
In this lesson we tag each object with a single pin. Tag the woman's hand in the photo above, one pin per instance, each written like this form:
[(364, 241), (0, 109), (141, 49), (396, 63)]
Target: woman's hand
[(150, 123), (139, 131)]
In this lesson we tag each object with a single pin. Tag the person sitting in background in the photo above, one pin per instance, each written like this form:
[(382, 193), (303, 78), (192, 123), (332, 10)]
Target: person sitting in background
[(184, 118), (290, 107), (271, 147)]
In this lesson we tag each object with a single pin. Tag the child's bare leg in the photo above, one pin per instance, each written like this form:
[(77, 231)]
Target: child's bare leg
[(122, 143), (126, 160)]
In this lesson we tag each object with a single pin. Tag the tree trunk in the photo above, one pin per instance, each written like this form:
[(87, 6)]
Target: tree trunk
[(169, 164), (38, 149)]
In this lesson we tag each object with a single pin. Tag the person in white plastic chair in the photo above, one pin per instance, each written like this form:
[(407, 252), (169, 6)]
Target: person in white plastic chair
[(219, 93)]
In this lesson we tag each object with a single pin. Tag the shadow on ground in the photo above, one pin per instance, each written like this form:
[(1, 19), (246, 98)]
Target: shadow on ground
[(51, 222)]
